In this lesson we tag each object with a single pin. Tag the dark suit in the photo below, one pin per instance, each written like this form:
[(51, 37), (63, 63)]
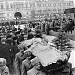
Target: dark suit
[(4, 53)]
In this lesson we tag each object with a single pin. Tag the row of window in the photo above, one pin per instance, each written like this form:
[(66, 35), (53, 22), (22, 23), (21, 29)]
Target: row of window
[(32, 5), (42, 0), (17, 5), (54, 4), (49, 11)]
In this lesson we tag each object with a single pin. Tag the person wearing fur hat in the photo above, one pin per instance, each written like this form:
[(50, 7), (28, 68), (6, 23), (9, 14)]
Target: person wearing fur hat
[(4, 70), (4, 51), (14, 45)]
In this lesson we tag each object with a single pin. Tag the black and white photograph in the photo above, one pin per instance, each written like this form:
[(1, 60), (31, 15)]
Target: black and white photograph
[(37, 37)]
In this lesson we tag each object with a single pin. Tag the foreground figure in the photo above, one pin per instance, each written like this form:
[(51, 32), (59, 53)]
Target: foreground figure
[(3, 68)]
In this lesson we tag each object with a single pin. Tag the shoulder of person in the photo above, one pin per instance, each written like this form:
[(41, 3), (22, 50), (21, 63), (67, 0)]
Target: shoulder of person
[(18, 54), (31, 72), (6, 69), (24, 61)]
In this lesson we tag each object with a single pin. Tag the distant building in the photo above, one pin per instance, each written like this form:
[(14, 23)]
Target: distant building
[(70, 12), (48, 7), (32, 8)]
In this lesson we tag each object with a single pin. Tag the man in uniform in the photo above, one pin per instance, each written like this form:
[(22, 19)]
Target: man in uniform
[(26, 64), (20, 56)]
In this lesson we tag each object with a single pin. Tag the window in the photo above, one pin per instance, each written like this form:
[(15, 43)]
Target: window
[(49, 10), (7, 6), (67, 4), (31, 5), (8, 14), (21, 5), (39, 5), (54, 4), (63, 4), (49, 4), (46, 5), (54, 10), (37, 0), (2, 6), (45, 0), (59, 4), (11, 6), (26, 5), (59, 10), (41, 0), (70, 4), (42, 5), (74, 15)]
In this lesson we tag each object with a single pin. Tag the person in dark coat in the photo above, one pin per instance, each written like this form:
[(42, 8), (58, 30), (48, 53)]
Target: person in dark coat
[(9, 41), (71, 25), (0, 40), (30, 36), (15, 45), (5, 51), (20, 38)]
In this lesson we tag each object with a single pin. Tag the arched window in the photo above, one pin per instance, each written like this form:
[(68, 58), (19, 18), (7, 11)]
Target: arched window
[(17, 15), (2, 6)]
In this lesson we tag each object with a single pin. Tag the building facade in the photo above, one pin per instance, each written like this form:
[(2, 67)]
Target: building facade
[(48, 7), (32, 8)]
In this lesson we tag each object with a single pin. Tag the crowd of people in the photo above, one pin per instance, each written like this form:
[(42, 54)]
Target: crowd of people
[(12, 50), (66, 24)]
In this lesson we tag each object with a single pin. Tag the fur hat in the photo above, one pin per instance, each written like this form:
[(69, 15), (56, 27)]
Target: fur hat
[(2, 62)]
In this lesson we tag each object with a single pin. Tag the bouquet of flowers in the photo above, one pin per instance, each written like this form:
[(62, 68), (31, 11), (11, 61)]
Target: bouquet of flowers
[(62, 42)]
